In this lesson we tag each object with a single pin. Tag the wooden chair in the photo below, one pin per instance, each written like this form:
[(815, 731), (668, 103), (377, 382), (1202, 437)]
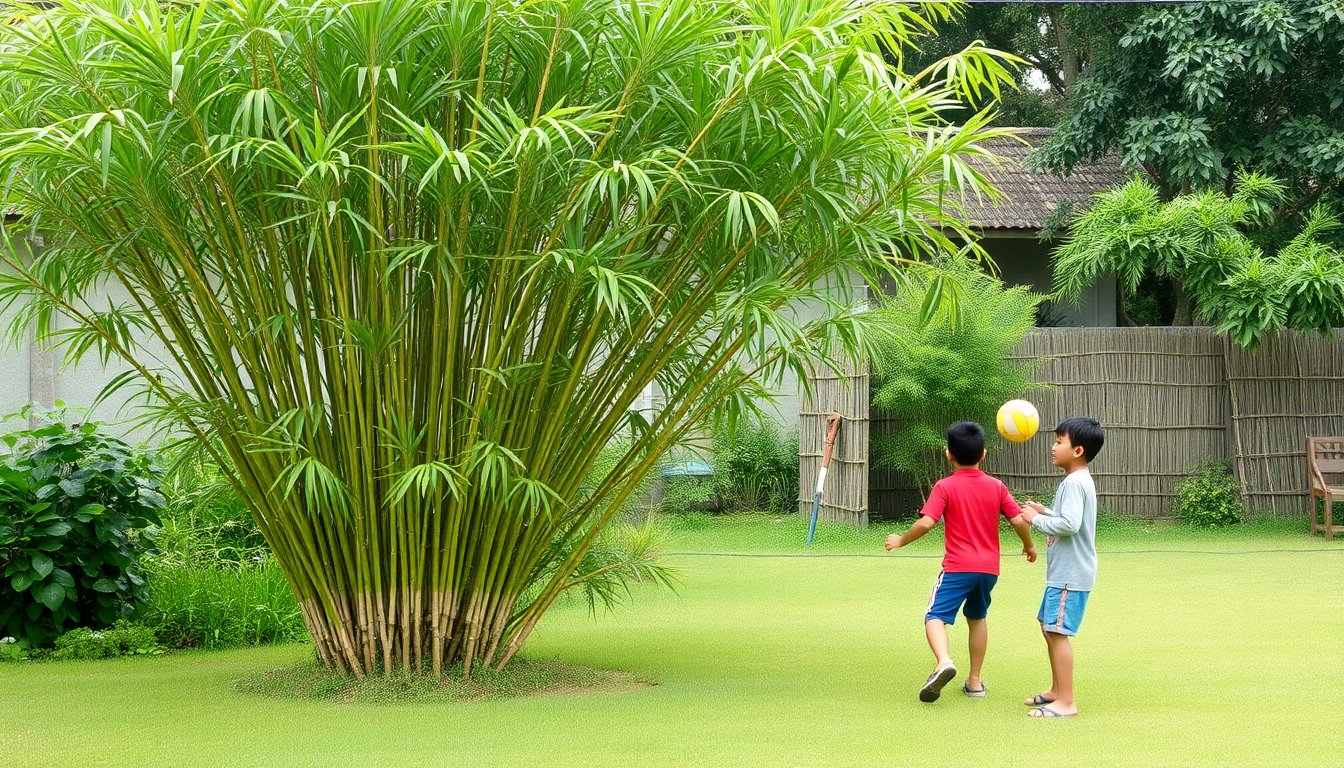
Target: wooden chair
[(1325, 457)]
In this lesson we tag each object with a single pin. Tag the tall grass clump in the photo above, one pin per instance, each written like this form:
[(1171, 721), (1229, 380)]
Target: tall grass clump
[(222, 607)]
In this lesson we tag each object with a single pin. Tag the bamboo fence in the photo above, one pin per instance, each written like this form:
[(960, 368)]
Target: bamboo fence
[(1289, 389), (1169, 399), (1160, 393)]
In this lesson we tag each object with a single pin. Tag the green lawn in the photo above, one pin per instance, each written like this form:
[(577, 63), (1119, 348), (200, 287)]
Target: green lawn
[(1198, 650)]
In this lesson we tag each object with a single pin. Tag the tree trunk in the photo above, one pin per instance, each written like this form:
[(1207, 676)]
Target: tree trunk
[(1121, 316), (1185, 306), (1069, 57)]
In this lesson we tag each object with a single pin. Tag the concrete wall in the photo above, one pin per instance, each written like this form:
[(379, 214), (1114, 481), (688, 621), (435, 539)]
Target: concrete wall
[(15, 371), (30, 373), (788, 400)]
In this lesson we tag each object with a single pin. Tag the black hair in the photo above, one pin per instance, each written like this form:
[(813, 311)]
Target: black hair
[(1083, 432), (966, 443)]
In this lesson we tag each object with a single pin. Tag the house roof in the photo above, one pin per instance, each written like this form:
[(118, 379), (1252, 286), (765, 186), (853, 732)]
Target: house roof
[(1030, 196)]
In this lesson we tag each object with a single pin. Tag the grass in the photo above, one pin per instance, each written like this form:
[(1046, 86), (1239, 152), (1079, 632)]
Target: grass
[(1199, 649), (212, 607)]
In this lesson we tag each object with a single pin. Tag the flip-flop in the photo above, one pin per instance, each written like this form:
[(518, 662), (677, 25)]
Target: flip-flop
[(966, 689), (933, 687), (1039, 712), (1038, 700)]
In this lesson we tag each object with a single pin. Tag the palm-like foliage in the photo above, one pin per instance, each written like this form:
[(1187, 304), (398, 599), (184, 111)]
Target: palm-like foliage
[(1205, 242), (412, 260), (957, 366)]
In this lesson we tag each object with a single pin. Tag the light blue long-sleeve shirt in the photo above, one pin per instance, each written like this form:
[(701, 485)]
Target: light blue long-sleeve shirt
[(1071, 531)]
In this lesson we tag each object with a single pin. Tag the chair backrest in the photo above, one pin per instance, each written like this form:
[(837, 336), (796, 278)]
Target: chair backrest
[(1326, 454)]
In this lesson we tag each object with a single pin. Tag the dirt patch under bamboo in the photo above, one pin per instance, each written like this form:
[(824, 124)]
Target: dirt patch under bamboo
[(308, 679)]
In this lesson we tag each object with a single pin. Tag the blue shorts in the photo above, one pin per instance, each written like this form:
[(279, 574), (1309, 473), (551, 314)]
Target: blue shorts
[(1062, 610), (952, 590)]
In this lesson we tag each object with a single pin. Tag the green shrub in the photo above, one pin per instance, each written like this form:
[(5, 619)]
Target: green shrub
[(954, 367), (122, 639), (685, 495), (218, 607), (13, 649), (75, 511), (755, 468), (1209, 497)]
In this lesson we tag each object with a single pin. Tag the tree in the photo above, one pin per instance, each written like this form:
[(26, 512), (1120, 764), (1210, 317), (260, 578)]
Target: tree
[(1205, 242), (1058, 41), (952, 367), (1195, 91), (412, 261)]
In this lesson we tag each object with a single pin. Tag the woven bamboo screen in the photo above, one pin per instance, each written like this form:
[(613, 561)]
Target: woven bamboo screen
[(1169, 398), (1289, 389), (1160, 393), (845, 498)]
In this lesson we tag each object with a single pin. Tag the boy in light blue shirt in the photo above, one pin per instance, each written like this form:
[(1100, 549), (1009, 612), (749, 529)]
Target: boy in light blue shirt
[(1070, 558)]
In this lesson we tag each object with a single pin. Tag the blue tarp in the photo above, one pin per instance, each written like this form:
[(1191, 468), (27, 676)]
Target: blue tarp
[(693, 468)]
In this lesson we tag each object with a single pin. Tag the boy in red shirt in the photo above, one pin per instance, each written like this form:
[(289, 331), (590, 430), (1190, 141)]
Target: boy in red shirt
[(969, 502)]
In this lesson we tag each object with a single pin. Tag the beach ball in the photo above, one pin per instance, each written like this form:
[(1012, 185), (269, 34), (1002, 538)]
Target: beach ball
[(1018, 420)]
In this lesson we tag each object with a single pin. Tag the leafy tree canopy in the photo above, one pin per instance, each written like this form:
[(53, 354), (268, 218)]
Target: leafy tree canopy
[(1060, 42), (1193, 92), (1205, 243)]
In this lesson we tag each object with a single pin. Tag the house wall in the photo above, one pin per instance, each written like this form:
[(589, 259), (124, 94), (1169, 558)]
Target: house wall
[(1022, 260), (33, 374), (788, 400)]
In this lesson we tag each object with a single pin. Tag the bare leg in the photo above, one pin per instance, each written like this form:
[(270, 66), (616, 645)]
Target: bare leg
[(1048, 694), (936, 631), (1061, 672), (979, 642)]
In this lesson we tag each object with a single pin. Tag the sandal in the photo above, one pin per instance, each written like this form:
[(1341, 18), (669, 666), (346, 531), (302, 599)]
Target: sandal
[(1038, 700), (1040, 712), (966, 689), (933, 687)]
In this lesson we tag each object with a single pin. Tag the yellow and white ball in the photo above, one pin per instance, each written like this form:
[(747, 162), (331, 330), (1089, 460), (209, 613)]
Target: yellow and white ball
[(1018, 420)]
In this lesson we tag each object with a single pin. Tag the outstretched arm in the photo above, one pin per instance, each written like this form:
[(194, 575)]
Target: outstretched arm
[(1023, 529), (917, 529), (1064, 520)]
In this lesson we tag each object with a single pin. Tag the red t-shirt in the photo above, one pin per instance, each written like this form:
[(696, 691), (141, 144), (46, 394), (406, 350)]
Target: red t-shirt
[(971, 501)]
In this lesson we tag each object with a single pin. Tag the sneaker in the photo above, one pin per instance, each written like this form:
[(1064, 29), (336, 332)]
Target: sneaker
[(933, 687), (966, 689)]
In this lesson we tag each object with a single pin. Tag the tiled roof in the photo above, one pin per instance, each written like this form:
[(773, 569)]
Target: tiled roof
[(1028, 197)]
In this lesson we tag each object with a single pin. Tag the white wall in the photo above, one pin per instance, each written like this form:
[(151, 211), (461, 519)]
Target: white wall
[(789, 392), (30, 373)]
